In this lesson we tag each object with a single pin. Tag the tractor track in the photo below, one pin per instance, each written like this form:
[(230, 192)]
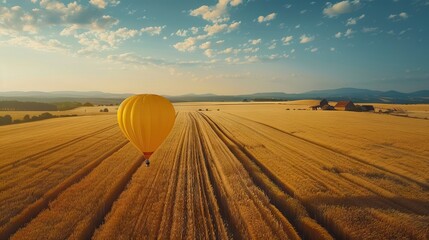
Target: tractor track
[(383, 194), (49, 164), (247, 159), (56, 148), (425, 186), (42, 203), (269, 214), (113, 195)]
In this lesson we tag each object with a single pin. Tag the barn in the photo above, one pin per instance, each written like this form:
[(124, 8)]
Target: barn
[(367, 108), (322, 103), (345, 106), (328, 107)]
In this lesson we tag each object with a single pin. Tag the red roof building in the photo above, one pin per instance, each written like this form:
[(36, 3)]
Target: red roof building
[(345, 106)]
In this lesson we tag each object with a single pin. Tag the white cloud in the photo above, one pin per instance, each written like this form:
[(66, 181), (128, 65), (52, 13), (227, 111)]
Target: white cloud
[(134, 59), (286, 40), (215, 28), (272, 46), (220, 41), (103, 3), (182, 33), (314, 50), (85, 25), (226, 51), (98, 3), (342, 7), (14, 20), (53, 13), (104, 22), (152, 30), (205, 45), (37, 43), (255, 41), (232, 60), (187, 45), (403, 15), (194, 30), (215, 13), (250, 50), (15, 8), (186, 32), (235, 2), (332, 49), (267, 18), (348, 33), (306, 39), (234, 25), (251, 59), (369, 29), (209, 53), (275, 56), (70, 30), (94, 41), (72, 8), (397, 17), (353, 21)]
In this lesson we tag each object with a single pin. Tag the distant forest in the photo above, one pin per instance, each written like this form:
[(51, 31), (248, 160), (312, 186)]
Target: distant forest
[(7, 119), (38, 106)]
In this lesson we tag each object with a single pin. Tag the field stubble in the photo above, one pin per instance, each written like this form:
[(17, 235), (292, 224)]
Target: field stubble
[(234, 174)]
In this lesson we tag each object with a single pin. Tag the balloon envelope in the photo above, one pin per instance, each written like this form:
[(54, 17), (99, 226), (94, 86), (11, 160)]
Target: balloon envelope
[(146, 120)]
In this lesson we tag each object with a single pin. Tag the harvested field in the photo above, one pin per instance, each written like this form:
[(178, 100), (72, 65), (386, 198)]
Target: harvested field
[(247, 171)]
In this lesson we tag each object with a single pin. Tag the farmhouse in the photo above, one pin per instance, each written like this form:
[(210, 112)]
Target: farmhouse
[(345, 106), (322, 103), (367, 108), (327, 107)]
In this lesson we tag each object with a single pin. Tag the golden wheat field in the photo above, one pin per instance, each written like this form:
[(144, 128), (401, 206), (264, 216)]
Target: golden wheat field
[(227, 170)]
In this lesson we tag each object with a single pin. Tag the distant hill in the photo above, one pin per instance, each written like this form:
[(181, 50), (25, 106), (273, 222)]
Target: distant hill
[(64, 94), (354, 94), (94, 97)]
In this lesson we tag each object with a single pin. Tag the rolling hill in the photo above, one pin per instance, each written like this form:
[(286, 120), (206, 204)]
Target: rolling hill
[(354, 94)]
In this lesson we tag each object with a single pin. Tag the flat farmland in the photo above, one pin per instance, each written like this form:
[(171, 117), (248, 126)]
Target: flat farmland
[(234, 170)]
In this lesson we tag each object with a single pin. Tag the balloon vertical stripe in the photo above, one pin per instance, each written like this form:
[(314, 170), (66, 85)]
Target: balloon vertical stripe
[(146, 120)]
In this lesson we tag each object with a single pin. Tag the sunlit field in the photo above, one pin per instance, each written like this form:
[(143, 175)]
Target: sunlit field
[(227, 170)]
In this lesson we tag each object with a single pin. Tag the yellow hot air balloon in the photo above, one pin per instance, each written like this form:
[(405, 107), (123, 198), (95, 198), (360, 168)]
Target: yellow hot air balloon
[(146, 120)]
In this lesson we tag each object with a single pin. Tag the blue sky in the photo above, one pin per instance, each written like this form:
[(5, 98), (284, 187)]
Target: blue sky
[(224, 46)]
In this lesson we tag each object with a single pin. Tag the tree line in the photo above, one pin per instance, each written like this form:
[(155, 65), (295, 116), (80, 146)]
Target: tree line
[(7, 119), (39, 106)]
